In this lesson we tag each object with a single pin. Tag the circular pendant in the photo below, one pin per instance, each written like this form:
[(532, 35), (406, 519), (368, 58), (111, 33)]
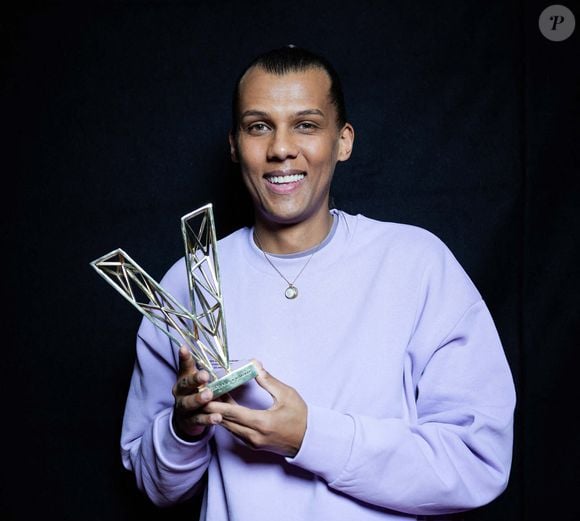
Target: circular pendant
[(291, 292)]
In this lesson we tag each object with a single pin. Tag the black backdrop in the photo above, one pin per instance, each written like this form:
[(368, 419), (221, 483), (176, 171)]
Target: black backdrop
[(115, 117)]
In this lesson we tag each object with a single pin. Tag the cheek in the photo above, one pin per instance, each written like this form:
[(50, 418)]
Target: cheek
[(249, 180), (321, 150), (252, 179), (250, 159)]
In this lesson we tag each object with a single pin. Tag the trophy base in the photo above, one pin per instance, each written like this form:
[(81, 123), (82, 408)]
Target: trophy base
[(230, 381)]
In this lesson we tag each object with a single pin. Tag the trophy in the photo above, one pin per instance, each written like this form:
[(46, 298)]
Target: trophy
[(202, 328)]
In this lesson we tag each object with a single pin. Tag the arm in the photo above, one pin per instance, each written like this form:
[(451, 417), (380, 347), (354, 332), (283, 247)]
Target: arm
[(164, 442), (452, 453)]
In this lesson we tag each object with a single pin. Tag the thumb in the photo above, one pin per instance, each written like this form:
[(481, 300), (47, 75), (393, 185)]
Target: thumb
[(269, 383)]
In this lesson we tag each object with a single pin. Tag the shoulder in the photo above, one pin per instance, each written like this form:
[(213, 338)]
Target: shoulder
[(178, 271), (412, 251), (234, 240), (396, 238), (175, 281)]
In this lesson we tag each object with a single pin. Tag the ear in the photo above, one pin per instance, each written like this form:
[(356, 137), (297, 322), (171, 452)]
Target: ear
[(345, 142), (233, 147)]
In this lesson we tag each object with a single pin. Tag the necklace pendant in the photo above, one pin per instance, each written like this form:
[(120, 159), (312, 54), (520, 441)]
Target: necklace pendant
[(291, 292)]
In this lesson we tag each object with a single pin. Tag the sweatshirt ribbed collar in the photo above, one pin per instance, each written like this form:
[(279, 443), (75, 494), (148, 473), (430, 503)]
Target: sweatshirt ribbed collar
[(329, 251)]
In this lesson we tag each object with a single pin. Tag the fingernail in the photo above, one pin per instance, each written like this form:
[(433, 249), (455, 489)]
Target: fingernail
[(206, 395)]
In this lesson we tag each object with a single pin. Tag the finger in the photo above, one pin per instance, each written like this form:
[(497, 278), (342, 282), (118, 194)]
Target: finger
[(200, 420), (246, 434), (186, 404), (194, 425), (190, 383), (235, 413), (186, 362)]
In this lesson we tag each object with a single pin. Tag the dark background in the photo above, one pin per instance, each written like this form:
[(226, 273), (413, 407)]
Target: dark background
[(114, 119)]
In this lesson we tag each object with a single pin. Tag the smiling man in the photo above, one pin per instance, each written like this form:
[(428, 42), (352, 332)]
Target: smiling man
[(387, 394), (288, 139)]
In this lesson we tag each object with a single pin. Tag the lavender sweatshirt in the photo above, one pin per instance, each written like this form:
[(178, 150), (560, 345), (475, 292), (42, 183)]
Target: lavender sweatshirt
[(410, 398)]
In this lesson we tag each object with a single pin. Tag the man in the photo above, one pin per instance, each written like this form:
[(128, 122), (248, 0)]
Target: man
[(387, 394)]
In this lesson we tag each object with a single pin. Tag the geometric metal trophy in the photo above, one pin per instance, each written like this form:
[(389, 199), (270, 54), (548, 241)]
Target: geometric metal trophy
[(202, 327)]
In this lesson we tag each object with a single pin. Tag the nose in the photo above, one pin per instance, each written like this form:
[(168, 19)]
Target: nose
[(282, 146)]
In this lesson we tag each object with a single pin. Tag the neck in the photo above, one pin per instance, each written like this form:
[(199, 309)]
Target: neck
[(293, 238)]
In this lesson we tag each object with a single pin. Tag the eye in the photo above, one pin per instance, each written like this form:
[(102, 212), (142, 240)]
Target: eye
[(257, 128), (306, 126)]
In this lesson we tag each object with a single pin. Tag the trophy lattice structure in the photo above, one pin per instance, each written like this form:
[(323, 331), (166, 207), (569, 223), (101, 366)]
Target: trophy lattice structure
[(202, 329), (205, 295)]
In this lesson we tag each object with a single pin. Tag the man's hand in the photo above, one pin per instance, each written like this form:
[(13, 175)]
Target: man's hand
[(189, 421), (279, 429)]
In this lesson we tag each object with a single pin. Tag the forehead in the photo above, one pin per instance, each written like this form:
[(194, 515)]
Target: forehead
[(261, 90)]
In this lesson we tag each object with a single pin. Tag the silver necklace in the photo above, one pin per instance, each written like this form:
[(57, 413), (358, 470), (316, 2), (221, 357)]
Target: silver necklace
[(291, 291)]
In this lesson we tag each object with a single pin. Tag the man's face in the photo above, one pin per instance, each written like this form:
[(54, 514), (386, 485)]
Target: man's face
[(288, 144)]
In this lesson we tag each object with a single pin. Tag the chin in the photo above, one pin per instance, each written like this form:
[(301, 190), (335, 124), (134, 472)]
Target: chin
[(282, 218)]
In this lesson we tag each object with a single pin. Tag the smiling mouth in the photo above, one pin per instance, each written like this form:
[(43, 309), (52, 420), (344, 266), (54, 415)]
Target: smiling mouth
[(285, 179)]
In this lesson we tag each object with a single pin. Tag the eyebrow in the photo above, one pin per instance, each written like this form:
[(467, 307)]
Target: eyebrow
[(262, 114), (310, 112)]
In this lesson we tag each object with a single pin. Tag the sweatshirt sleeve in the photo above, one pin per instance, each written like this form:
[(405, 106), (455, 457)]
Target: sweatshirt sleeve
[(167, 468), (452, 450)]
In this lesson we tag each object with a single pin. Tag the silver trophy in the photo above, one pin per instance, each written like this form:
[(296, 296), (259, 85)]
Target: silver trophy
[(202, 328)]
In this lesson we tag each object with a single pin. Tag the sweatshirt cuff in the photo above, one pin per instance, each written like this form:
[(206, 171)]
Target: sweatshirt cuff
[(327, 443), (174, 452)]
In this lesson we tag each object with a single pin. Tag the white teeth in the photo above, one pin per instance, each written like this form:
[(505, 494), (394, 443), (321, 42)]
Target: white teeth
[(280, 179)]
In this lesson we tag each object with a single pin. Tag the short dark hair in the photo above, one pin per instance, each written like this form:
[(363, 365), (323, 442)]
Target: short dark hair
[(293, 59)]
